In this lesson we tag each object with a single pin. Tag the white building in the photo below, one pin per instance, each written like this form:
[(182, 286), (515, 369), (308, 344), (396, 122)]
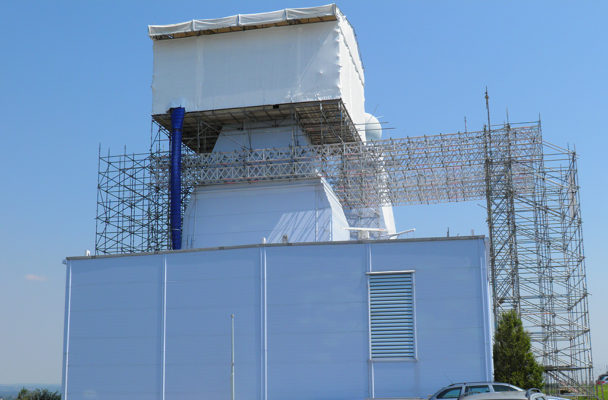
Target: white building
[(332, 320), (316, 315)]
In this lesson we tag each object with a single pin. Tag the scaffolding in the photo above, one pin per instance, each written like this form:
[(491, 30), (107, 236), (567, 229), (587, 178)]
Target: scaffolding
[(530, 187)]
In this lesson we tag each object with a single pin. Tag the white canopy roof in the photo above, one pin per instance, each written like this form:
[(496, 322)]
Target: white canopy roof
[(288, 16)]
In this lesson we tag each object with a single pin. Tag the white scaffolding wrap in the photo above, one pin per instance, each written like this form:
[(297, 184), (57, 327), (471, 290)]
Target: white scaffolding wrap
[(234, 22), (280, 64)]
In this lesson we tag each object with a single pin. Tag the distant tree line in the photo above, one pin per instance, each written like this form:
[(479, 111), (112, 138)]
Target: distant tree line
[(37, 394)]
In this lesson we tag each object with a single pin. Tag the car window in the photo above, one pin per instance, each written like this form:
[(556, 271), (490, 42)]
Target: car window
[(477, 389), (504, 388), (452, 393)]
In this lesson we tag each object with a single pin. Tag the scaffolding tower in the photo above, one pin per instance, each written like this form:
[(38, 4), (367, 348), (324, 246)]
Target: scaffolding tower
[(530, 186)]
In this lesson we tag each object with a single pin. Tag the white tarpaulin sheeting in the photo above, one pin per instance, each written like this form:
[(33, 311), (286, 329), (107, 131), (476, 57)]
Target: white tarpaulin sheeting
[(275, 65), (241, 20), (209, 24)]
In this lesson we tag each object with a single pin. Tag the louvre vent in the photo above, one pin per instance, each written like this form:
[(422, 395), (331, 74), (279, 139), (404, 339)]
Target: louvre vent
[(392, 315)]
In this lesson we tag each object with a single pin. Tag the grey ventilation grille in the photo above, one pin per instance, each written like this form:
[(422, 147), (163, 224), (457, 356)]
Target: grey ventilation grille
[(392, 315)]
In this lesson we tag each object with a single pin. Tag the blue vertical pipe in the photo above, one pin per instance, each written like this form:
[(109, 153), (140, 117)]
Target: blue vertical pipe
[(177, 121)]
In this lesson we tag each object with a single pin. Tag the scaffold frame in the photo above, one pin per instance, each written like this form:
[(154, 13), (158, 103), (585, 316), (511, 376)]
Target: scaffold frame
[(537, 263)]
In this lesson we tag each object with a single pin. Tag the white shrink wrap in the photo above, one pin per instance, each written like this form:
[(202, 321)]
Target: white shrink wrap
[(311, 12), (237, 22), (316, 59), (262, 18), (217, 23)]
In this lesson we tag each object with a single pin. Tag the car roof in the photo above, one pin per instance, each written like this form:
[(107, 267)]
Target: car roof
[(481, 383)]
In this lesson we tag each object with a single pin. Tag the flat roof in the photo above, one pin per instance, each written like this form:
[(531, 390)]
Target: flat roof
[(242, 22), (257, 245)]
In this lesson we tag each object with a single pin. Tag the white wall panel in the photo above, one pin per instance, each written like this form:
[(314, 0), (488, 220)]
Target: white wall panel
[(202, 293), (312, 318), (115, 329)]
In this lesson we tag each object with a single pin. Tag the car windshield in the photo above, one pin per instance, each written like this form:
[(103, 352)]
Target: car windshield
[(452, 393)]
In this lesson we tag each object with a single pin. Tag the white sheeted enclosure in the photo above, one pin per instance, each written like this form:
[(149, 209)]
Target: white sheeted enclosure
[(286, 62)]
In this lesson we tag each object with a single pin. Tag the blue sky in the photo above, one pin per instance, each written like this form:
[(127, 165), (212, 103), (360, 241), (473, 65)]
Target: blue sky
[(77, 74)]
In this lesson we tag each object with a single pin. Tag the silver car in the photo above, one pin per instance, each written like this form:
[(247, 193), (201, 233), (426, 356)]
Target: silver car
[(457, 390)]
